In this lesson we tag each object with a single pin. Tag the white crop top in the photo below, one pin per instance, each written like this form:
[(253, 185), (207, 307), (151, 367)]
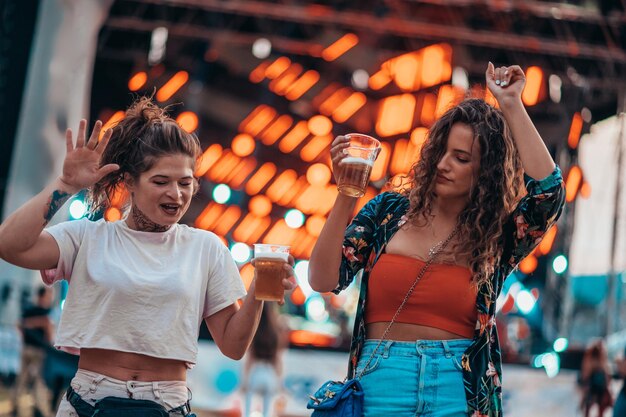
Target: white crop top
[(140, 292)]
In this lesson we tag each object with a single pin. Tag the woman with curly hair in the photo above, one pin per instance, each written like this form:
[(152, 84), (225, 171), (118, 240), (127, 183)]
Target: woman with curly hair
[(467, 220), (139, 288)]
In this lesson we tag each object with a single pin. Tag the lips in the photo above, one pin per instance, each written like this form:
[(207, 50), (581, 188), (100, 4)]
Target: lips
[(442, 178), (170, 209)]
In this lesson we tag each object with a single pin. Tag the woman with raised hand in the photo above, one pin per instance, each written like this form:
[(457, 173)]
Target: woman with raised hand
[(435, 255), (139, 288)]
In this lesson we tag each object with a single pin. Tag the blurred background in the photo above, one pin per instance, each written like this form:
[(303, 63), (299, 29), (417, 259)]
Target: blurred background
[(266, 86)]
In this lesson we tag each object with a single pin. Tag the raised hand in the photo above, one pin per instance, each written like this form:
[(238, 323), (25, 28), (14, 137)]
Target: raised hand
[(337, 153), (505, 83), (81, 167)]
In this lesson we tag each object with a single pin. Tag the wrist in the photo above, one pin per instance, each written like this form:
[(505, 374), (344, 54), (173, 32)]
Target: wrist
[(507, 103), (62, 185)]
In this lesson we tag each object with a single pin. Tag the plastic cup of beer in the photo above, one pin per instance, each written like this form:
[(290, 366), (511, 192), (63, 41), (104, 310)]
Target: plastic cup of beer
[(357, 164), (269, 261)]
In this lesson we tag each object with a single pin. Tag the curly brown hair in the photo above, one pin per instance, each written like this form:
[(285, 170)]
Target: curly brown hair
[(145, 134), (498, 189)]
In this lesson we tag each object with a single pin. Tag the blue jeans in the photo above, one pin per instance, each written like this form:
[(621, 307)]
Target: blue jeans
[(407, 379)]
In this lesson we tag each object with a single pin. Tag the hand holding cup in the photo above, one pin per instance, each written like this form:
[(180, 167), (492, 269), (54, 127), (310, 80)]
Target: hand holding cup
[(274, 274), (353, 157)]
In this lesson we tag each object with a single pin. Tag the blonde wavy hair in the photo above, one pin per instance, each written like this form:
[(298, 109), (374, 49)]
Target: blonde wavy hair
[(492, 198)]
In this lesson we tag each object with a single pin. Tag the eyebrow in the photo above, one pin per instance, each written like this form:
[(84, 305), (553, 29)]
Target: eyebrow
[(166, 176), (462, 151)]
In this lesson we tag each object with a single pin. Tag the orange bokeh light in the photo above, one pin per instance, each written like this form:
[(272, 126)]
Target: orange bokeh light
[(318, 174), (172, 86), (112, 214), (260, 206), (532, 90), (575, 130), (137, 81), (188, 120), (529, 264), (395, 115), (243, 144), (320, 125), (314, 225)]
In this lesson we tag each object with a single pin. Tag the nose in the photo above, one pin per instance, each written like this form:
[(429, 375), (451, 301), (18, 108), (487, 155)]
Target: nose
[(174, 191), (443, 165)]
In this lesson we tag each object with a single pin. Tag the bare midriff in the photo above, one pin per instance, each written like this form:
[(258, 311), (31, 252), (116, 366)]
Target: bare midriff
[(128, 366), (409, 332)]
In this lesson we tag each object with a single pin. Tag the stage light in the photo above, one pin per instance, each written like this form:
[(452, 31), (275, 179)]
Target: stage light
[(360, 79), (525, 301), (240, 252), (320, 125), (314, 225), (158, 42), (188, 120), (460, 78), (301, 269), (395, 115), (586, 114), (315, 309), (221, 193), (112, 214), (551, 363), (318, 174), (172, 86), (573, 183), (260, 205), (575, 130), (243, 144), (532, 90), (261, 48), (560, 344), (554, 86), (78, 209), (559, 264), (294, 218), (340, 47), (137, 81)]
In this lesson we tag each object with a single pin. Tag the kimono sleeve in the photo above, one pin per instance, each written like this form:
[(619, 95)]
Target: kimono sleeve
[(358, 242), (534, 215)]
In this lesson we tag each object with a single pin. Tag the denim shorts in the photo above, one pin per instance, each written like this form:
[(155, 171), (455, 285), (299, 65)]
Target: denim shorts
[(407, 379), (92, 386)]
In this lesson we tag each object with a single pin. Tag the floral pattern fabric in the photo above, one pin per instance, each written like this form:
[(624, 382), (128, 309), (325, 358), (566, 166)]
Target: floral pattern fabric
[(376, 223)]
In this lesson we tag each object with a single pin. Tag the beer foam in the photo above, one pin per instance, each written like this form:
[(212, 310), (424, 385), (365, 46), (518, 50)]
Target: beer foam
[(272, 255), (356, 160)]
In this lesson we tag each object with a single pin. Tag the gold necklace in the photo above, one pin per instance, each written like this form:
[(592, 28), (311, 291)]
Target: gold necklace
[(437, 246)]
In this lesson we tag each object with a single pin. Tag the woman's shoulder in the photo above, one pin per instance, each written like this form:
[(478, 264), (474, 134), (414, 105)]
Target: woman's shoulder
[(391, 202), (389, 198), (200, 235)]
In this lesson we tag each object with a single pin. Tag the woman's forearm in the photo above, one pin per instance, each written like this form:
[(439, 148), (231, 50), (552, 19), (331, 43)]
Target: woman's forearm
[(535, 157), (242, 326), (21, 229), (326, 256)]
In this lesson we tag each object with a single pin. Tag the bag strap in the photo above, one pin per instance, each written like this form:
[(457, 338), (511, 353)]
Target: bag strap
[(84, 409), (432, 255)]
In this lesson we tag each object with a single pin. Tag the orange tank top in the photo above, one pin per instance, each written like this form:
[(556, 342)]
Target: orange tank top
[(444, 298)]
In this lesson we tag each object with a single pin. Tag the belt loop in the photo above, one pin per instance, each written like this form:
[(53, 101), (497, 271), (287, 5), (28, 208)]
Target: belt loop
[(155, 390), (446, 349), (95, 382), (386, 349)]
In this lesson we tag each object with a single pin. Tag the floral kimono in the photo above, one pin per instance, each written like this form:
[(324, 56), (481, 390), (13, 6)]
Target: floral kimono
[(377, 222)]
